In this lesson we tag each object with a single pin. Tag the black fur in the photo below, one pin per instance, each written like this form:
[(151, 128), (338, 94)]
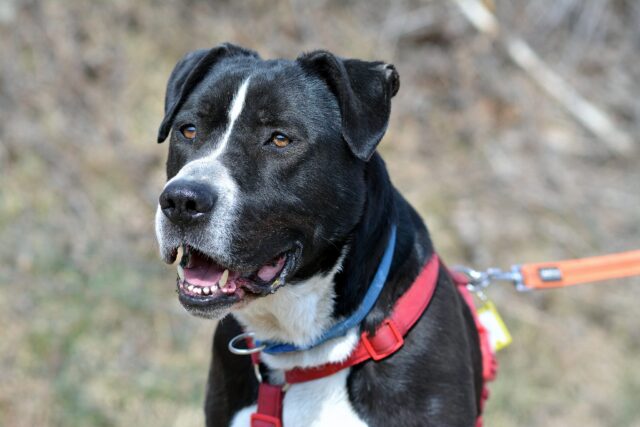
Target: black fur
[(435, 380), (327, 190), (364, 90)]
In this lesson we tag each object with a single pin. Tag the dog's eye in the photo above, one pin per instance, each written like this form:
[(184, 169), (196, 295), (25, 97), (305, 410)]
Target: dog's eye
[(188, 131), (280, 140)]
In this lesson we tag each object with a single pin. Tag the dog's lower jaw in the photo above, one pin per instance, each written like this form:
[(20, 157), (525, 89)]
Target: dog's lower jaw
[(209, 314)]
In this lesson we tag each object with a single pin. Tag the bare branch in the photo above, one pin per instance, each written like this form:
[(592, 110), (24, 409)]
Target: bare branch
[(584, 112)]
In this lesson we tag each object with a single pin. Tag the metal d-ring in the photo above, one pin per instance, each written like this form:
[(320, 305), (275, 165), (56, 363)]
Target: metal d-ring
[(244, 351)]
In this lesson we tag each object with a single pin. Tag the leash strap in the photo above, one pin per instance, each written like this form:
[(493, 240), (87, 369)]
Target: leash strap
[(559, 274)]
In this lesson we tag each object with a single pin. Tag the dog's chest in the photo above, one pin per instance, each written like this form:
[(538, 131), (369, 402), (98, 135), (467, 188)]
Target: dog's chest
[(320, 403)]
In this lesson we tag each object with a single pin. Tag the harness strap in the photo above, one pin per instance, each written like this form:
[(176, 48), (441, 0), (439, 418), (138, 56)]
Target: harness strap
[(269, 412), (388, 337), (489, 360)]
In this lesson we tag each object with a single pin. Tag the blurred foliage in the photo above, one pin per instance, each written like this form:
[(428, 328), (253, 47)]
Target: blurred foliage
[(92, 332)]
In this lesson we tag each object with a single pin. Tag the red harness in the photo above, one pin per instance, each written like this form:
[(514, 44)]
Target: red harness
[(388, 338)]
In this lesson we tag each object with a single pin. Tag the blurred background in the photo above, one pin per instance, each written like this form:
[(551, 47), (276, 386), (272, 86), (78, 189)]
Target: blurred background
[(92, 333)]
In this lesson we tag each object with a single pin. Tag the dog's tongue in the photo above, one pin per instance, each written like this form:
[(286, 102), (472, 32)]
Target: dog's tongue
[(268, 271), (202, 272)]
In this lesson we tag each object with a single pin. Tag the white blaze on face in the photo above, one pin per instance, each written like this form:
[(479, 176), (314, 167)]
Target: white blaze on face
[(234, 112), (210, 170)]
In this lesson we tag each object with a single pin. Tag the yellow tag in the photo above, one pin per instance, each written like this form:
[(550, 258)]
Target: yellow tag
[(499, 335)]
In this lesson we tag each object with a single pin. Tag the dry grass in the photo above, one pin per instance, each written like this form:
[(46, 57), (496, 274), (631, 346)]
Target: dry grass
[(92, 333)]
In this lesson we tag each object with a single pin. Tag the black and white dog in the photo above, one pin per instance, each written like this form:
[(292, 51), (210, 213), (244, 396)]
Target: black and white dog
[(283, 209)]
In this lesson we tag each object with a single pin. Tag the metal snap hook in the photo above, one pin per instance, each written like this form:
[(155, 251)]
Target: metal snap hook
[(479, 280), (244, 351)]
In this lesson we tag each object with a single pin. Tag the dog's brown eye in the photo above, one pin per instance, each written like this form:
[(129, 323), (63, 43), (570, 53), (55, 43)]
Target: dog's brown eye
[(189, 131), (280, 140)]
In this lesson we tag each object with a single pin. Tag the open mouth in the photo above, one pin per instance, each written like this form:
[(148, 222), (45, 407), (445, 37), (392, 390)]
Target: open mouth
[(202, 281)]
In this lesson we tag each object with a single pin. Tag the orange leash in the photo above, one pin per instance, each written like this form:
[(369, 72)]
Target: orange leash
[(545, 275), (558, 274)]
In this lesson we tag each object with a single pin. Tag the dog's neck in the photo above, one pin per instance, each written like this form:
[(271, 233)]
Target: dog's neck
[(301, 312), (297, 313)]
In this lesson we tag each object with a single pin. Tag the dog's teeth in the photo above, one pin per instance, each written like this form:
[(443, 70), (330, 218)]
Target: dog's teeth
[(206, 291), (198, 291), (180, 272), (223, 279), (190, 287)]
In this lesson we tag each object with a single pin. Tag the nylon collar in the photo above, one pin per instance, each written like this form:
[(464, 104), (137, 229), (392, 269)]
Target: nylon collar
[(341, 328)]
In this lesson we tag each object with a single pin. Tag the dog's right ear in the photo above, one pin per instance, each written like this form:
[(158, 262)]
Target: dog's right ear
[(186, 75)]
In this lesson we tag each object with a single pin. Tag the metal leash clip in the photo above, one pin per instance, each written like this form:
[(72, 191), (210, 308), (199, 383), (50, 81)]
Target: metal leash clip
[(480, 280)]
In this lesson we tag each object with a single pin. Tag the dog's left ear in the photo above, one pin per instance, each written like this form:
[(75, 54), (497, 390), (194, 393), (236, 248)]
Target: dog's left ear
[(364, 91)]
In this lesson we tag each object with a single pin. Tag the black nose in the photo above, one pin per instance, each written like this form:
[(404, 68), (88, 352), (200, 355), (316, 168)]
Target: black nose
[(184, 201)]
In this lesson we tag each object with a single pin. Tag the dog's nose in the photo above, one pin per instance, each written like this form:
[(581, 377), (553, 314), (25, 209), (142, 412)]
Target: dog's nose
[(184, 201)]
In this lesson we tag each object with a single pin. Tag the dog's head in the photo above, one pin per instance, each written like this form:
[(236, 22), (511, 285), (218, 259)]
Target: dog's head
[(265, 169)]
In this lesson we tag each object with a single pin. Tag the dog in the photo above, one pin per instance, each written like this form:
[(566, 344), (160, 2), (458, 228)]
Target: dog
[(283, 210)]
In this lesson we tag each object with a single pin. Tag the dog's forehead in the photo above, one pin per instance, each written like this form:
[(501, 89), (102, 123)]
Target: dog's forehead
[(275, 87)]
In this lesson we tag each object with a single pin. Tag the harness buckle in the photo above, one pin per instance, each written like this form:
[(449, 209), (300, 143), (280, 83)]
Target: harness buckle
[(387, 338)]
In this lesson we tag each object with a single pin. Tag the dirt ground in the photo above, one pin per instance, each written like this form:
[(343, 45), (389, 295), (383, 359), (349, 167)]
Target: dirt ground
[(92, 333)]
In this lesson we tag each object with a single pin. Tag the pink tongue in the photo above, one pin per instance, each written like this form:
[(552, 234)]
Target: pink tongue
[(268, 272), (202, 273), (205, 273)]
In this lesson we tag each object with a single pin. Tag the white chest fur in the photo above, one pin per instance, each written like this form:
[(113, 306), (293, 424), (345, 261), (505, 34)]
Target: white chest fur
[(320, 403), (299, 314)]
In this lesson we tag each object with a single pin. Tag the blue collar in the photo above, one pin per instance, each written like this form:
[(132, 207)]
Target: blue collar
[(341, 328)]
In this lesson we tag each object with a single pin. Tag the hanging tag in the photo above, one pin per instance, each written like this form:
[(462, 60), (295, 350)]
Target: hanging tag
[(499, 335)]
